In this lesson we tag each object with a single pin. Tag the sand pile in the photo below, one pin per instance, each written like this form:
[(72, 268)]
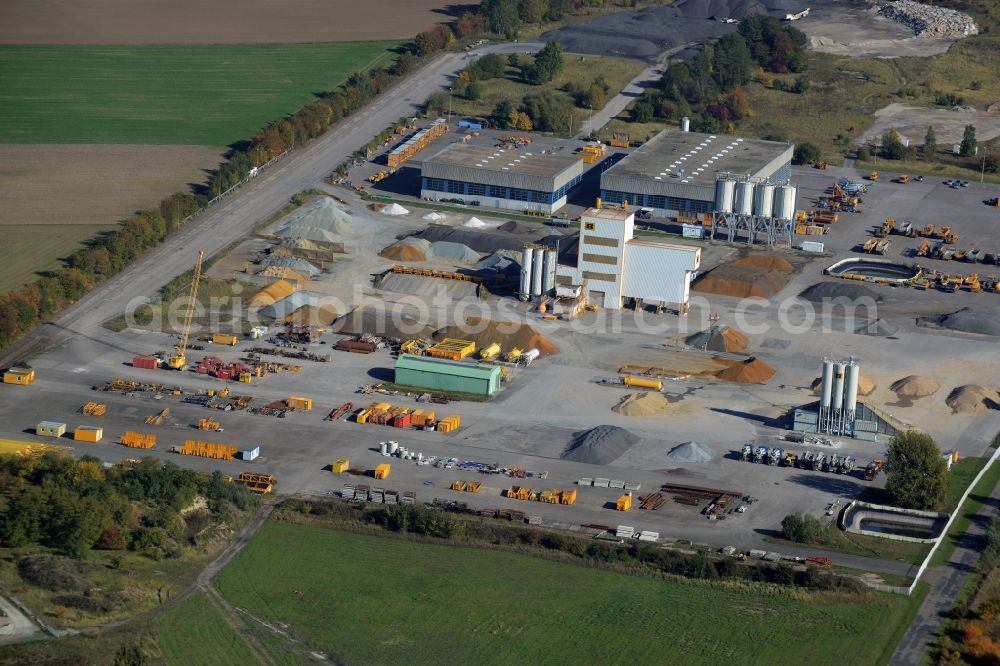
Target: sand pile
[(751, 371), (322, 214), (718, 338), (691, 452), (507, 334), (379, 322), (412, 248), (865, 385), (643, 404), (313, 315), (515, 227), (599, 446), (915, 386), (973, 398), (298, 265), (822, 291), (394, 209), (753, 276), (765, 262), (967, 320)]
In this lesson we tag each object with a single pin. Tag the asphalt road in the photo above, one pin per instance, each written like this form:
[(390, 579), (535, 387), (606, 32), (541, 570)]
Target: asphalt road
[(236, 214), (945, 581)]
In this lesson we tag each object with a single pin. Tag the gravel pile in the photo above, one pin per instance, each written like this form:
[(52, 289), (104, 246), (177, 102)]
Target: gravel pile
[(507, 334), (484, 241), (599, 446), (967, 320), (449, 251), (323, 214), (649, 32), (718, 338), (379, 322), (691, 452), (823, 291), (751, 371), (412, 248), (929, 20)]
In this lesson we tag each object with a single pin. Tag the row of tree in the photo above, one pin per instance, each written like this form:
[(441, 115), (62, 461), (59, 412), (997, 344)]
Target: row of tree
[(74, 505)]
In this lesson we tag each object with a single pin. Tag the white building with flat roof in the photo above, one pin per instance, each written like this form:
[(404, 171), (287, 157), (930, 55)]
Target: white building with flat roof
[(616, 267)]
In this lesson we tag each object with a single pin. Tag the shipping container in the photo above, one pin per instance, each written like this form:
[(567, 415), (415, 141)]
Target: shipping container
[(812, 246), (50, 429), (225, 339), (146, 362), (250, 454), (355, 346), (340, 466), (22, 376), (88, 434), (296, 402), (401, 421)]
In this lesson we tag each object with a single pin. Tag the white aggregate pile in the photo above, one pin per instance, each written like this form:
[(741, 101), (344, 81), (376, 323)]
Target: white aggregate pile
[(929, 20), (691, 452)]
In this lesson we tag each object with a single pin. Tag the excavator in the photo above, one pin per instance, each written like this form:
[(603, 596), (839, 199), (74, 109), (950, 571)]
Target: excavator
[(178, 360)]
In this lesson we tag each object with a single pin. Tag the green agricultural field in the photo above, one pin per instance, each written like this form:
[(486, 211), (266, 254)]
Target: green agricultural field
[(29, 249), (202, 95), (380, 600), (194, 632)]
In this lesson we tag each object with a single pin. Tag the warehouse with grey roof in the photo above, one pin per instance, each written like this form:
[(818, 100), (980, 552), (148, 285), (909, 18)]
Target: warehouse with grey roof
[(674, 173), (522, 180)]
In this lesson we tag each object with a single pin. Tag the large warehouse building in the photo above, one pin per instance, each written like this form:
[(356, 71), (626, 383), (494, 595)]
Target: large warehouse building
[(434, 374), (674, 173), (617, 268), (498, 178)]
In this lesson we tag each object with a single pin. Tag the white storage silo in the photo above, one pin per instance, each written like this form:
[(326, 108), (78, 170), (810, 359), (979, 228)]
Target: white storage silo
[(526, 258), (536, 272), (685, 124), (838, 387), (744, 197), (763, 200), (826, 384), (784, 202), (725, 190), (851, 386), (549, 275)]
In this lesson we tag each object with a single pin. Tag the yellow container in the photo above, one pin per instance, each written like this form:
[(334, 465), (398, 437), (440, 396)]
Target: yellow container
[(490, 352), (453, 349), (567, 497), (88, 434), (383, 471), (18, 376), (50, 429), (642, 382), (225, 339), (624, 503), (363, 415), (340, 466), (296, 402), (458, 485)]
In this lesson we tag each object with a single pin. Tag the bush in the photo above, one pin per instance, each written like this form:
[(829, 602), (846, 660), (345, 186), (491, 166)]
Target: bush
[(802, 529), (642, 112), (805, 153)]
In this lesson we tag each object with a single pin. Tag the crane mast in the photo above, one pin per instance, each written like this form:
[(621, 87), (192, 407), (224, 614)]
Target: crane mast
[(179, 360)]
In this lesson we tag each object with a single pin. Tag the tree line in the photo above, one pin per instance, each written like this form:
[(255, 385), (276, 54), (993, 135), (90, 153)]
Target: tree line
[(75, 505)]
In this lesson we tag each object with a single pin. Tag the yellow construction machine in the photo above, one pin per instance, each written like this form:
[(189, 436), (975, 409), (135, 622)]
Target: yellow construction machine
[(178, 361), (873, 175)]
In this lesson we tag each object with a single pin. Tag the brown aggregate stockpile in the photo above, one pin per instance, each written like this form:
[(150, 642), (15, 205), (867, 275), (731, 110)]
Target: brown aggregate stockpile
[(379, 322), (645, 404), (915, 386), (404, 252), (599, 446), (507, 334), (973, 398), (753, 276), (719, 339), (751, 371)]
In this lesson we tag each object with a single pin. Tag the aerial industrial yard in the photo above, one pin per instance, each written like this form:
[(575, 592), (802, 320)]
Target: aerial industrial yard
[(664, 349)]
